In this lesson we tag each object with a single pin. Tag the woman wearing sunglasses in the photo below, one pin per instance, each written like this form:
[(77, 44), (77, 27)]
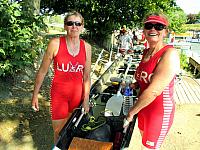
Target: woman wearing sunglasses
[(70, 85), (155, 77)]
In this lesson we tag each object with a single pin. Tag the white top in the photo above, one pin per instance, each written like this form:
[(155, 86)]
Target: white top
[(125, 41)]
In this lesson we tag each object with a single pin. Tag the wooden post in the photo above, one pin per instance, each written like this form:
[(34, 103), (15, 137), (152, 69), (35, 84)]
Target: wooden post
[(195, 63)]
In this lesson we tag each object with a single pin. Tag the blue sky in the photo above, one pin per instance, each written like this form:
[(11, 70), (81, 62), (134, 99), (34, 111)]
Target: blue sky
[(189, 6)]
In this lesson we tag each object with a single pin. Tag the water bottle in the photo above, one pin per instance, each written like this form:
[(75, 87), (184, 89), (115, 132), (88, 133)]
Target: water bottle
[(128, 100), (128, 91)]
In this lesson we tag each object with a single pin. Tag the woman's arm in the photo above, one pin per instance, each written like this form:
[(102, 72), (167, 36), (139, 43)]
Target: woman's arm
[(47, 59), (86, 77)]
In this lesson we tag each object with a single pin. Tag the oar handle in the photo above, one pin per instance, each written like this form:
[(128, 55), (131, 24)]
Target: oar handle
[(81, 116), (128, 67), (119, 90), (126, 72), (125, 125)]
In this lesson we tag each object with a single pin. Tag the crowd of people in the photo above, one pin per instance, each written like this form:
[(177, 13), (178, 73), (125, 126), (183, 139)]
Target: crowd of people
[(128, 39), (154, 76)]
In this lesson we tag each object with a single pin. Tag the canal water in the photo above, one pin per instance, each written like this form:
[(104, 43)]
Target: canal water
[(195, 47)]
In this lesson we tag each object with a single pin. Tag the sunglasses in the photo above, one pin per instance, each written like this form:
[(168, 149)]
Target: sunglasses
[(71, 23), (157, 26)]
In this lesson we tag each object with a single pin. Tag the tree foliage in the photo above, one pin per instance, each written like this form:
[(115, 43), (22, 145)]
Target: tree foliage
[(193, 18), (177, 19), (19, 37), (104, 16), (20, 27)]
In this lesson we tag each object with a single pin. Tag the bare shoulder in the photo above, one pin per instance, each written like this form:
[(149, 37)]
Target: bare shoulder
[(53, 46), (54, 41), (171, 53), (87, 46), (88, 50), (172, 50), (171, 57)]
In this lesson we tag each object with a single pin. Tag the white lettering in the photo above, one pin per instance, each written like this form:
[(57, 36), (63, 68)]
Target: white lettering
[(70, 67), (58, 67), (144, 76), (63, 67), (79, 68), (150, 143), (149, 78)]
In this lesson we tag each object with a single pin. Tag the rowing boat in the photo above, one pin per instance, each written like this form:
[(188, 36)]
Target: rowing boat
[(97, 126)]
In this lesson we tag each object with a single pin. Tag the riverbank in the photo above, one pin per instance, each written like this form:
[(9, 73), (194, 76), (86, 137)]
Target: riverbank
[(195, 48)]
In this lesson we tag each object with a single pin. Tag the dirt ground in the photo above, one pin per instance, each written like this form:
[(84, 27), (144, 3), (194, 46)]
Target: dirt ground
[(20, 127), (23, 129)]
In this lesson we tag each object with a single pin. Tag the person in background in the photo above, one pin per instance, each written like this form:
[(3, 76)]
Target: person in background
[(172, 37), (71, 82), (125, 41), (135, 39), (143, 41), (118, 37), (155, 77)]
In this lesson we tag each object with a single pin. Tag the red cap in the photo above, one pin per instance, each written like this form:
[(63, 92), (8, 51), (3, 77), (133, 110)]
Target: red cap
[(157, 19)]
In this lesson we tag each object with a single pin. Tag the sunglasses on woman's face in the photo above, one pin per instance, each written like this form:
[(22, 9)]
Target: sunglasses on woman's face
[(157, 26), (72, 23)]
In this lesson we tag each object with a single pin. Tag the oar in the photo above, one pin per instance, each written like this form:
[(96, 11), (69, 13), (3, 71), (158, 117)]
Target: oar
[(114, 104), (79, 119), (68, 131)]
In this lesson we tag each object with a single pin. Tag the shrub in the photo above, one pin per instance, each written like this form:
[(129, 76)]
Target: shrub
[(19, 37), (184, 61)]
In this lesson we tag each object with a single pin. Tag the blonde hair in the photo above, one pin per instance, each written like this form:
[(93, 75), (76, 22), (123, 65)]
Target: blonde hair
[(73, 13)]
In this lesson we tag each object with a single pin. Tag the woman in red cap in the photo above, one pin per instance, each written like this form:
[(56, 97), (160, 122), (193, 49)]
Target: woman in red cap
[(155, 77)]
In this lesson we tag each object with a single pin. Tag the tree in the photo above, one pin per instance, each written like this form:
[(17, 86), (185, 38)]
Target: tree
[(177, 18), (34, 6), (104, 16), (198, 18), (191, 18), (19, 37)]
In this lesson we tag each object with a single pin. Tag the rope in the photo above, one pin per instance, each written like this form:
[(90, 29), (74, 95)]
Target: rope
[(92, 124)]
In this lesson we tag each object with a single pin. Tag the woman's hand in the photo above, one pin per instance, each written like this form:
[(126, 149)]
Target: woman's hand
[(85, 105), (35, 105), (129, 117), (126, 123), (131, 85), (134, 85), (123, 83)]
